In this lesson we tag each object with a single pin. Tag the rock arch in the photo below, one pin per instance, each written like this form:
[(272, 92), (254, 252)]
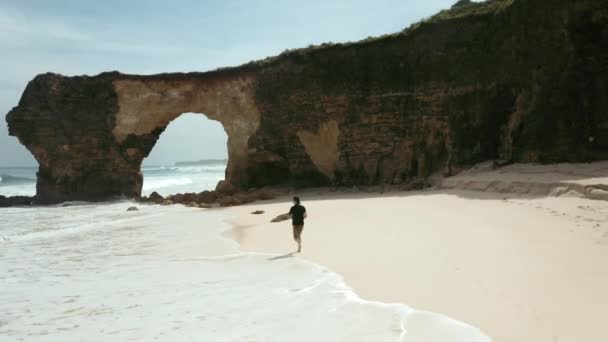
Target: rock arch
[(145, 106), (91, 134)]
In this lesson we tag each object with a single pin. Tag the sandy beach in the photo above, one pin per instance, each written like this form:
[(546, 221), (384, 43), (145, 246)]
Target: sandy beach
[(521, 267)]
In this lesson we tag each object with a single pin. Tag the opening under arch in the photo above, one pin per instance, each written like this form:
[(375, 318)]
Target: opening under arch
[(189, 156)]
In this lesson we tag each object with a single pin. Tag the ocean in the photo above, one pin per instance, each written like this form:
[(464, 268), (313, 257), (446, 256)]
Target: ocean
[(96, 272), (164, 179)]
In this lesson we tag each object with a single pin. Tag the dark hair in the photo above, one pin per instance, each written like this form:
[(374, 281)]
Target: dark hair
[(296, 199)]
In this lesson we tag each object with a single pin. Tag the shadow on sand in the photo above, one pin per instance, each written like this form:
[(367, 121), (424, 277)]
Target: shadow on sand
[(279, 257)]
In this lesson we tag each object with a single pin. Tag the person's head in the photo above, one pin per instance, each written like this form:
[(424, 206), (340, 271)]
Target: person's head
[(296, 200)]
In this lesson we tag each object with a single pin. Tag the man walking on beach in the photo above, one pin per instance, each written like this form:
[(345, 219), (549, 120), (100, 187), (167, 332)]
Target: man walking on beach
[(297, 214)]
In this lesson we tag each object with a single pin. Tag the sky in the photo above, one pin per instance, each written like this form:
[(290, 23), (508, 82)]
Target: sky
[(75, 37)]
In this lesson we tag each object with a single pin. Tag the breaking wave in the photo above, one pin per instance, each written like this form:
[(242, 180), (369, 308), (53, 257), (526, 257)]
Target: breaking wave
[(8, 179)]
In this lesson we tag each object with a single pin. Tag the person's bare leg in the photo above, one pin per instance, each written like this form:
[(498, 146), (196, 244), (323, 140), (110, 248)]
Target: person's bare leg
[(299, 240)]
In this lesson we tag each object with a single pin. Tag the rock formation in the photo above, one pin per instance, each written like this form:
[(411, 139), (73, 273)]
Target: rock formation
[(516, 80), (223, 196), (15, 201)]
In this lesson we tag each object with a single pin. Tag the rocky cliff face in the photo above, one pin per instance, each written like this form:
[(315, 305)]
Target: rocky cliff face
[(517, 80)]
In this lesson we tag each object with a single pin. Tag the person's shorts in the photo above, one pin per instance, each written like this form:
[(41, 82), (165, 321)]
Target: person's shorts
[(297, 231)]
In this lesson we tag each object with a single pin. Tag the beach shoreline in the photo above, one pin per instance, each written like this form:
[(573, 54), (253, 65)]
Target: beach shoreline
[(511, 265)]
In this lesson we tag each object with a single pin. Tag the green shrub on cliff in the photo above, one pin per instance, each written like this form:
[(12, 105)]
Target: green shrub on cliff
[(465, 9)]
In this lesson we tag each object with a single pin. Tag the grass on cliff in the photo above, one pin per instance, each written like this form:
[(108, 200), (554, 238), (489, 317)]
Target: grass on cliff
[(470, 8), (462, 9)]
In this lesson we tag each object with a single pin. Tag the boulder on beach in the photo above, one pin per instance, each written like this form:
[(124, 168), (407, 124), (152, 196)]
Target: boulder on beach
[(205, 206), (225, 201), (266, 194), (132, 209), (244, 197), (206, 197), (156, 197), (186, 198), (225, 188), (192, 205), (167, 202), (189, 197), (15, 201), (177, 198), (258, 212), (417, 184)]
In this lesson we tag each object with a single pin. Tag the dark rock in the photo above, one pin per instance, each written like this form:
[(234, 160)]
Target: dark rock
[(225, 188), (265, 193), (501, 163), (206, 197), (156, 198), (236, 200), (245, 197), (15, 201), (177, 198), (417, 184), (133, 209), (375, 188), (189, 197), (258, 212), (183, 198), (226, 201)]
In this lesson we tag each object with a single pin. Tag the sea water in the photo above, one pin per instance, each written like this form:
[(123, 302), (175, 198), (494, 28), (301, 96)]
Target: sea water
[(97, 272), (18, 181), (164, 179)]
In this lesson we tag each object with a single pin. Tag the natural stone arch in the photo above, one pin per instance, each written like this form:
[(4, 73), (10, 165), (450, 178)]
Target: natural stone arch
[(145, 106), (91, 134)]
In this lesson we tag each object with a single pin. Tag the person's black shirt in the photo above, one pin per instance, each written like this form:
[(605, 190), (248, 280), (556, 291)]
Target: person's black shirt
[(297, 214)]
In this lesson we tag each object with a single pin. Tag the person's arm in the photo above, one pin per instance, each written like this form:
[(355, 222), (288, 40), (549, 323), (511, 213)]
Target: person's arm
[(290, 213)]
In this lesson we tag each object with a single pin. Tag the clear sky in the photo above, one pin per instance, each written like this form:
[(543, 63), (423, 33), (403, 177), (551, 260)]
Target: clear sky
[(74, 37)]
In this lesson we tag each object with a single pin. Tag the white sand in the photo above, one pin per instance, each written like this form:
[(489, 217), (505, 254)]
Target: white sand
[(522, 269)]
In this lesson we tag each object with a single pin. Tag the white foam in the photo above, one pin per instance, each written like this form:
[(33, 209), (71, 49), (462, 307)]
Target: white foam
[(165, 182)]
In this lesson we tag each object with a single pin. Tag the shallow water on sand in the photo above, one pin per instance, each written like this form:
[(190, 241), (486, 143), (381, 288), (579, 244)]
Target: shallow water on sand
[(95, 272)]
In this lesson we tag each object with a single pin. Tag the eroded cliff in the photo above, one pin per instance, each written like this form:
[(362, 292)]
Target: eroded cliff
[(517, 80)]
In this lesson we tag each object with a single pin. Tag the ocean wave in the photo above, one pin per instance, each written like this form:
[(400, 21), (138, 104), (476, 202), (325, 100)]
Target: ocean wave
[(201, 169), (69, 229), (154, 170), (157, 167), (202, 162), (8, 179), (151, 183)]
